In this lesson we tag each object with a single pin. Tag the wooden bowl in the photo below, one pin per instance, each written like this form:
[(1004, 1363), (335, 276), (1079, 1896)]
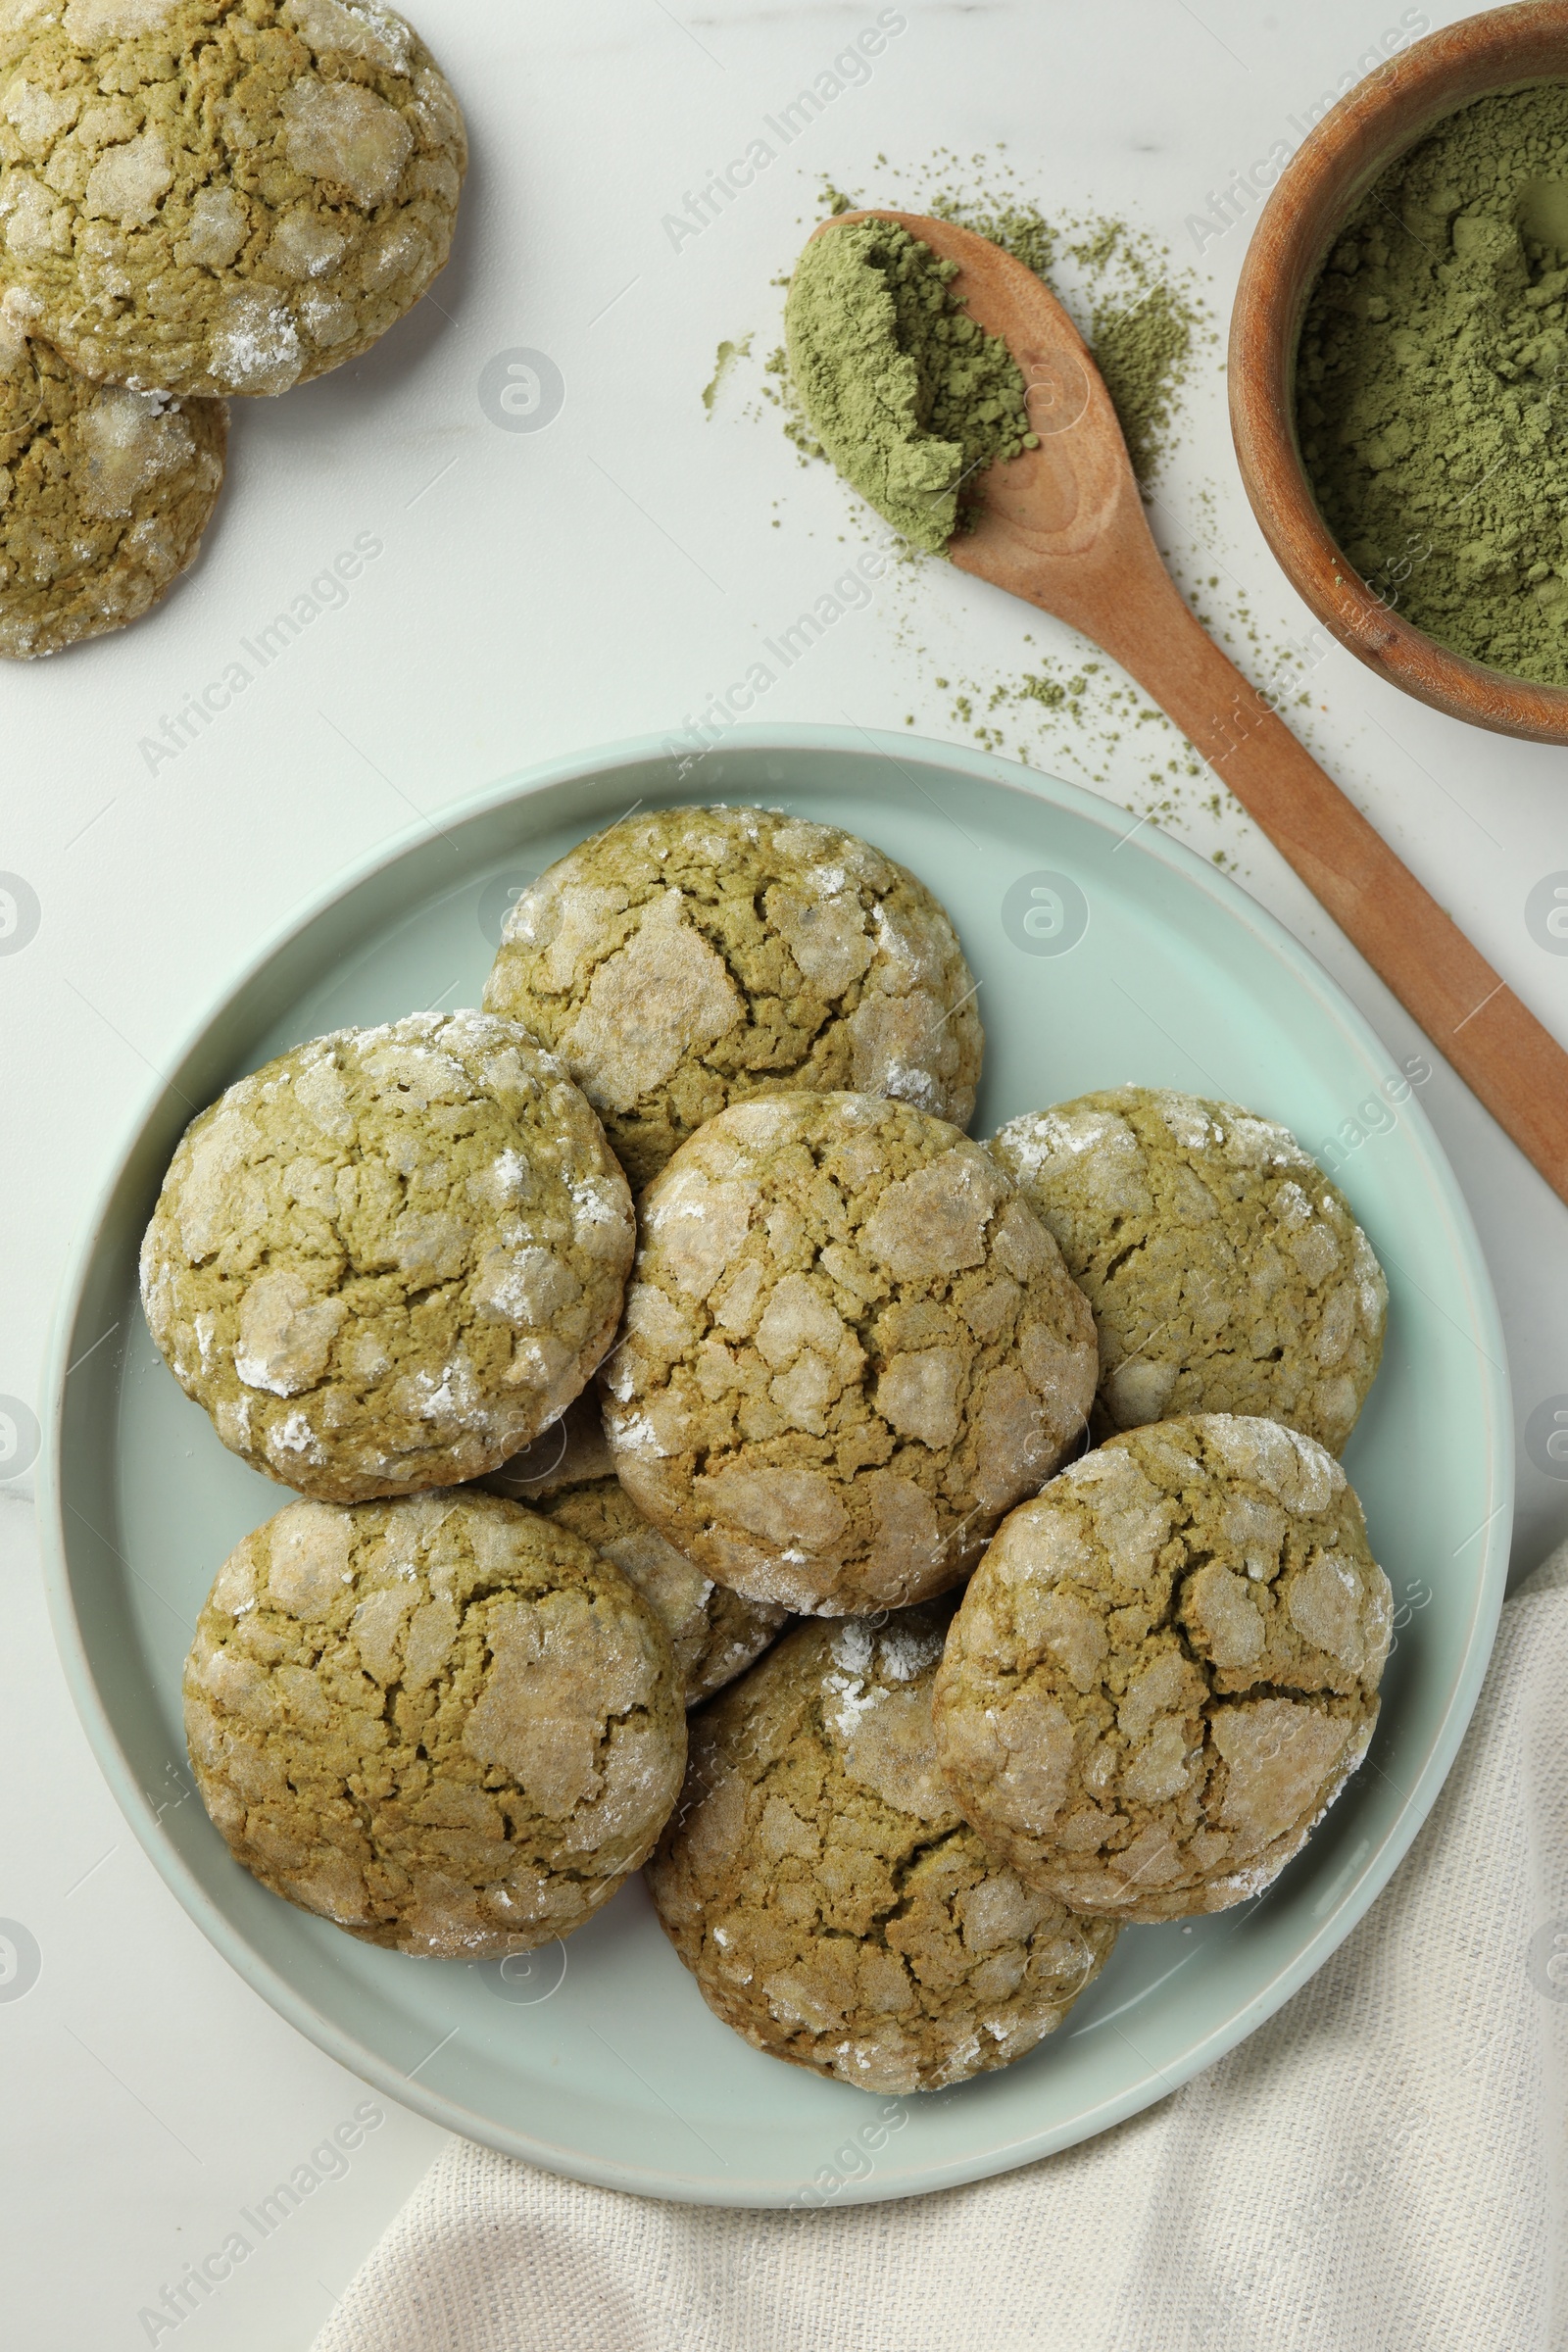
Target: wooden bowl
[(1319, 189)]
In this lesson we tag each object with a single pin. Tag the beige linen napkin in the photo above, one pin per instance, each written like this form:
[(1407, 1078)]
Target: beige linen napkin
[(1379, 2169)]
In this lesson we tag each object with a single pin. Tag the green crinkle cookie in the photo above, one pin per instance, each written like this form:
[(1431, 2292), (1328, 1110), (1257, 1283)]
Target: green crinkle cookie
[(1165, 1668), (819, 1882), (390, 1257), (442, 1723), (217, 196), (104, 496), (1225, 1272), (849, 1346), (683, 961)]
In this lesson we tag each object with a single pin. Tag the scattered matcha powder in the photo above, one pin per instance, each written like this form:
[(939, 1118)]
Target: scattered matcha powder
[(1143, 355), (1143, 318), (908, 395), (1431, 391), (724, 360)]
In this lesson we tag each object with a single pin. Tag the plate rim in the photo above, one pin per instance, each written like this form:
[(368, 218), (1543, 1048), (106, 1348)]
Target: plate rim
[(450, 2113)]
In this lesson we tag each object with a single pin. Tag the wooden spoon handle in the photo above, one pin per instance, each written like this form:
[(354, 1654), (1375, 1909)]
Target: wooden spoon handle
[(1498, 1048)]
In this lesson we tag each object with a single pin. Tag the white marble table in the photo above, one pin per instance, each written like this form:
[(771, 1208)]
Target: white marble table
[(536, 591)]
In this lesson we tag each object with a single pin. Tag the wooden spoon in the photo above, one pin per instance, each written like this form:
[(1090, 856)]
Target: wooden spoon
[(1063, 526)]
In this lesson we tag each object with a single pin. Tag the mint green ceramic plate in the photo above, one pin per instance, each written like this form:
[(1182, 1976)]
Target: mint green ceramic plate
[(1102, 956)]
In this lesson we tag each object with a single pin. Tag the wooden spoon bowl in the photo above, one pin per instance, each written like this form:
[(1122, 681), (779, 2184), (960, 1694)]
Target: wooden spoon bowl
[(1382, 118)]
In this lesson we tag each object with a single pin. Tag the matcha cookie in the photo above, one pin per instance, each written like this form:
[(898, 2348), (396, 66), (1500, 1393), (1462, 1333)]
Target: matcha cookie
[(1167, 1667), (849, 1346), (214, 196), (1225, 1272), (686, 959), (390, 1257), (818, 1882), (104, 496), (441, 1722)]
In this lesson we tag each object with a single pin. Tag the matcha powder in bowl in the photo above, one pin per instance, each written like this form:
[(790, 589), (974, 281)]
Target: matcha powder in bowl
[(1432, 385), (910, 397)]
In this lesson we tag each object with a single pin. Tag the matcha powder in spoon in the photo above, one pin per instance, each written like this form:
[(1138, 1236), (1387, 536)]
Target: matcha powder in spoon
[(910, 397)]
